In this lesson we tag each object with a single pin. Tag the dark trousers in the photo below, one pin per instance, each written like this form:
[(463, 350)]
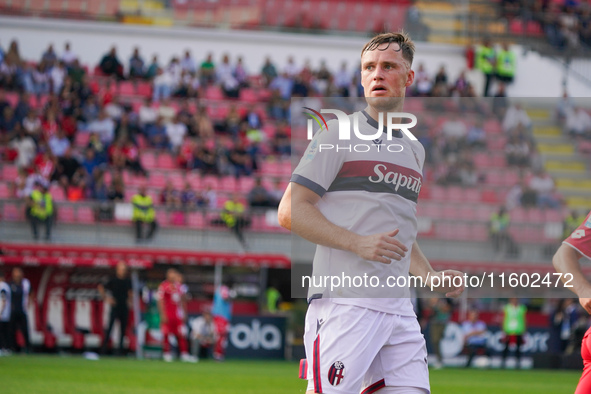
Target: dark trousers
[(120, 314), (488, 78), (19, 322), (473, 349), (139, 229), (35, 222), (4, 335), (518, 341)]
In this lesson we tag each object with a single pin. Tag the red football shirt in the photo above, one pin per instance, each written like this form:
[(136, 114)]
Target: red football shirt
[(580, 239), (171, 296)]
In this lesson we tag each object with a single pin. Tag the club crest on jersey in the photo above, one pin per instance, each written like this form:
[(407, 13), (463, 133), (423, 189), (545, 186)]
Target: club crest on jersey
[(336, 373)]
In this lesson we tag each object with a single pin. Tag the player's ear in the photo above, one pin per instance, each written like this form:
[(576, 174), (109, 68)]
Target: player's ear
[(410, 78)]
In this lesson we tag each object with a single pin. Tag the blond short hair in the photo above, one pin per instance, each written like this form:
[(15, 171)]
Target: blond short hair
[(407, 46)]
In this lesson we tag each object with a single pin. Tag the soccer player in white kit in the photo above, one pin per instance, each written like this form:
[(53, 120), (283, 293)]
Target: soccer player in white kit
[(360, 210)]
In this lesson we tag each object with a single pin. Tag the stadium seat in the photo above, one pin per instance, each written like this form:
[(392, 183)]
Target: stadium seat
[(12, 212), (85, 215), (489, 196), (65, 214), (228, 184), (9, 172), (148, 160), (4, 190), (165, 161), (196, 220)]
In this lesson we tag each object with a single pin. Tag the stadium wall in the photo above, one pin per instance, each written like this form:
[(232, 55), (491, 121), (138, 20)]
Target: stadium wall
[(536, 76)]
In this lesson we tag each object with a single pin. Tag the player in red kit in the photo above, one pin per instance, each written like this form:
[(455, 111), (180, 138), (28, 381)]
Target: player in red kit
[(170, 303), (566, 261)]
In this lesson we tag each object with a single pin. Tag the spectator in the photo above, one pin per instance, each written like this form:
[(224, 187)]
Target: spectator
[(514, 117), (439, 315), (253, 118), (485, 62), (143, 214), (147, 114), (118, 294), (189, 197), (110, 64), (210, 198), (475, 337), (514, 327), (273, 299), (20, 294), (169, 195), (117, 191), (423, 82), (564, 321), (57, 75), (468, 175), (441, 76), (163, 85), (157, 135), (476, 137), (104, 127), (59, 143), (240, 73), (25, 148), (578, 123), (136, 65), (68, 57), (22, 106), (499, 230), (41, 210), (40, 80), (291, 69), (203, 334), (454, 128), (564, 107), (517, 152), (542, 183), (343, 80), (187, 63), (49, 57), (176, 131), (114, 109), (167, 110), (259, 197), (207, 71), (281, 142), (152, 69), (269, 72), (239, 160), (276, 193)]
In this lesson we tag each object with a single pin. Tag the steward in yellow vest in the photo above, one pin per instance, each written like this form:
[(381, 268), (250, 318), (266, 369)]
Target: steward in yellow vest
[(143, 214), (41, 210), (505, 64)]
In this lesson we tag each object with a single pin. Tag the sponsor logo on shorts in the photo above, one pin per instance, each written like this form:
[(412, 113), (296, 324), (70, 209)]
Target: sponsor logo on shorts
[(336, 373)]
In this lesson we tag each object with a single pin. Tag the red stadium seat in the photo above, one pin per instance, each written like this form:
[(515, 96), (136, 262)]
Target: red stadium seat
[(9, 172), (65, 214), (12, 212), (196, 220), (489, 196), (148, 160), (4, 190), (165, 161), (228, 184), (85, 215)]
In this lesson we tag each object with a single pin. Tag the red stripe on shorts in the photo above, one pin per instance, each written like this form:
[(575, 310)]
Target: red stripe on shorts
[(380, 384), (316, 366)]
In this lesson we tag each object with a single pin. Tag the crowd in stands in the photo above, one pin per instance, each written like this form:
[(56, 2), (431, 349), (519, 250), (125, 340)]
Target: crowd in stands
[(566, 24)]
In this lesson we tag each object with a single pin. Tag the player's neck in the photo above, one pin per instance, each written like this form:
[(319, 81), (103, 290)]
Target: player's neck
[(375, 114)]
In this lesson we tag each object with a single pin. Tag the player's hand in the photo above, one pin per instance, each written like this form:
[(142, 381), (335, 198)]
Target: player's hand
[(447, 285), (586, 303), (111, 301), (381, 247)]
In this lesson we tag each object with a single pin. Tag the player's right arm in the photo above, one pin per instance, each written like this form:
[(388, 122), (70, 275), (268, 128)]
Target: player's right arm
[(566, 261), (298, 213)]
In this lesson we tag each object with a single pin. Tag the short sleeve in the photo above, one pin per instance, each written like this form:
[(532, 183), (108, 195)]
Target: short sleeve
[(580, 239), (321, 162)]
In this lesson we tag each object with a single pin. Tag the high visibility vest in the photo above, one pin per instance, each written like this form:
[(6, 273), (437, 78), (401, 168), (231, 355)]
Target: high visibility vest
[(499, 222), (484, 59), (514, 319), (42, 205), (505, 63), (143, 208), (231, 208), (570, 225)]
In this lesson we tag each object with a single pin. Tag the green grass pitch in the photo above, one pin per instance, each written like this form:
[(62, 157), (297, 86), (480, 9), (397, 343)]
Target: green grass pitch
[(73, 374)]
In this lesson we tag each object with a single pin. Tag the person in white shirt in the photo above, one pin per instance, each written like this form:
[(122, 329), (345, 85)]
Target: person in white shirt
[(147, 113), (176, 131), (114, 109), (543, 185), (578, 122), (57, 75), (68, 56), (454, 128), (475, 336), (25, 146), (515, 116), (291, 69), (187, 63), (104, 127), (203, 334), (342, 79), (4, 316)]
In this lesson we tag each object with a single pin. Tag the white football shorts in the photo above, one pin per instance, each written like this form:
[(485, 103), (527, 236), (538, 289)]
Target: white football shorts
[(353, 350)]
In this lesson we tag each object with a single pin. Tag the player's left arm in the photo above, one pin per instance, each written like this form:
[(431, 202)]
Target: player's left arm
[(420, 266)]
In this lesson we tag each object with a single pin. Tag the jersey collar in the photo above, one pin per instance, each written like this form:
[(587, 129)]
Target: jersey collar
[(374, 123)]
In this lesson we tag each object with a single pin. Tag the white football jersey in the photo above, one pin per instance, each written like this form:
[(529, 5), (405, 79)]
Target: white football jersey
[(366, 187)]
